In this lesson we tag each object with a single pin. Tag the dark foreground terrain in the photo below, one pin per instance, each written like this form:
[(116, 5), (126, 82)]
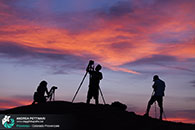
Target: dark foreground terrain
[(102, 117)]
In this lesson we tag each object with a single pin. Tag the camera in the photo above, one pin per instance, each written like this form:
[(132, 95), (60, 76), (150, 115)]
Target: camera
[(54, 87), (90, 66), (91, 62)]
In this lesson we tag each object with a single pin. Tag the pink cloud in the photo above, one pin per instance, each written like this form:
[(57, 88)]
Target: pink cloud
[(129, 29)]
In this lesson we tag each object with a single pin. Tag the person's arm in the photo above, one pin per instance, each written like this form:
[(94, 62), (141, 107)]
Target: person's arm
[(164, 86), (47, 92), (154, 86), (87, 69), (101, 76)]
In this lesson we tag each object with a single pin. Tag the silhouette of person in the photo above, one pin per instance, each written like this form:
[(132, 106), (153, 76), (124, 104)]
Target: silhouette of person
[(95, 77), (157, 95), (39, 95)]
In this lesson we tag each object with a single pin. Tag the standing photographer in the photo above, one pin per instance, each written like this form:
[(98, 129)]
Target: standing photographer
[(95, 77)]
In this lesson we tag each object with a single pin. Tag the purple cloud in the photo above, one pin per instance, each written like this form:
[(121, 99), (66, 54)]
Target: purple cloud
[(121, 8), (165, 61), (155, 59), (58, 63), (192, 84)]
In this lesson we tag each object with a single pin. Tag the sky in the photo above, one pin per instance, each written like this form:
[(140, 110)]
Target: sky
[(133, 40)]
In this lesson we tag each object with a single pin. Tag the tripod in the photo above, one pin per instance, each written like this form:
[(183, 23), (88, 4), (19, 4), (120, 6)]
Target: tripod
[(51, 96), (89, 67)]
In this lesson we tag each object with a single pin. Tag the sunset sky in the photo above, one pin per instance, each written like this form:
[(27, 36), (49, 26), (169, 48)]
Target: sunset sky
[(133, 40)]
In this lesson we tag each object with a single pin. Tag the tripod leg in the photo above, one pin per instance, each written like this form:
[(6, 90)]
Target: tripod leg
[(54, 95), (51, 95), (79, 87), (102, 96), (155, 109), (164, 115)]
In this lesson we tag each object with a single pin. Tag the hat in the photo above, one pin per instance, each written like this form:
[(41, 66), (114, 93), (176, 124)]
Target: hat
[(155, 77)]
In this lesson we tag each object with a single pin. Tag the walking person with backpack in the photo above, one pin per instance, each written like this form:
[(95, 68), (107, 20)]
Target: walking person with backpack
[(157, 95)]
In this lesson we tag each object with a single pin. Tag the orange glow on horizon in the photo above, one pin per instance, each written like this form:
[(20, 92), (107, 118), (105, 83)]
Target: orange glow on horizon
[(174, 119), (179, 119), (17, 103)]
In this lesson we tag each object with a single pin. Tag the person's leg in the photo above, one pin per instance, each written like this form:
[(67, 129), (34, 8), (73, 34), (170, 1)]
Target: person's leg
[(96, 101), (89, 96), (96, 96), (35, 98), (42, 99), (88, 101), (151, 101), (160, 104)]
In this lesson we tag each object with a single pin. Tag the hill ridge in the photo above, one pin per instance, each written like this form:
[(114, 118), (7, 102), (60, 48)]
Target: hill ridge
[(101, 116)]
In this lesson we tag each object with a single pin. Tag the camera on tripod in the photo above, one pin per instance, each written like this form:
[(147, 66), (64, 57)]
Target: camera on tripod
[(52, 93), (54, 87), (91, 62), (90, 66)]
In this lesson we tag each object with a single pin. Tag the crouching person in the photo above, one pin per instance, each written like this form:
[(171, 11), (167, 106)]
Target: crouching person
[(39, 95)]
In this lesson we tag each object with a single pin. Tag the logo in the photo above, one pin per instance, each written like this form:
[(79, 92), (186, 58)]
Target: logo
[(7, 122)]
